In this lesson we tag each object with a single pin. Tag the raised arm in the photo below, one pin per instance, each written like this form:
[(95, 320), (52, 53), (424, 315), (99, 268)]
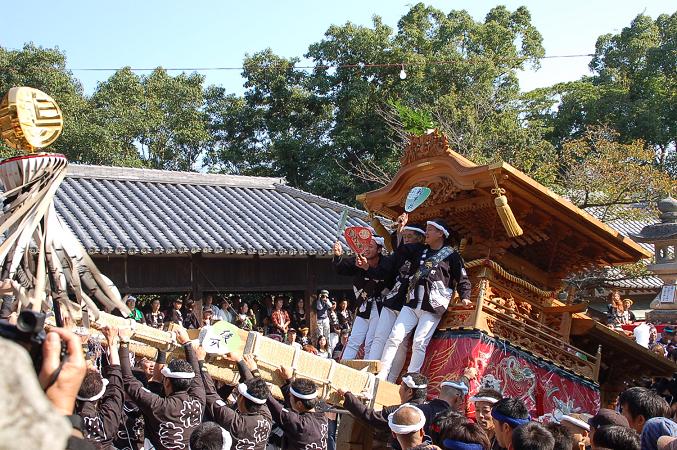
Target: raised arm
[(461, 279), (110, 405), (134, 388), (197, 388), (372, 418), (288, 419)]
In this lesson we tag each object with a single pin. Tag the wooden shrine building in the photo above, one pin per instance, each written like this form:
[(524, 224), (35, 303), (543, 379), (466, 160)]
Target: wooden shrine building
[(523, 335), (154, 231)]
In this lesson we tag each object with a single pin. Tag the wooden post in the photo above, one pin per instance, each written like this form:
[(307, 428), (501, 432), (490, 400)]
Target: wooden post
[(480, 302), (565, 327), (195, 285), (311, 289), (483, 276), (598, 363)]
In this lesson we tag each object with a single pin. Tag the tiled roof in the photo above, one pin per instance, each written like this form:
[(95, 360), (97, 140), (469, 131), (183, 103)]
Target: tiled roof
[(632, 228), (115, 210)]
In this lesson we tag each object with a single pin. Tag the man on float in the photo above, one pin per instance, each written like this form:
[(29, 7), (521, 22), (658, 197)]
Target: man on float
[(393, 301), (368, 291), (434, 271)]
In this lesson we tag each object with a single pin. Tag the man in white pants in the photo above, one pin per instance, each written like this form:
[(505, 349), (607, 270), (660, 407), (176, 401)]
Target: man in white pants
[(394, 300), (435, 271), (323, 307), (368, 291)]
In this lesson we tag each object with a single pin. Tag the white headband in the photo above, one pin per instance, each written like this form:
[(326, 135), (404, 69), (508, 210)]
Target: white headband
[(227, 439), (242, 389), (439, 227), (406, 429), (181, 375), (302, 396), (409, 381), (379, 240), (416, 229), (574, 421), (491, 400), (104, 381), (459, 385)]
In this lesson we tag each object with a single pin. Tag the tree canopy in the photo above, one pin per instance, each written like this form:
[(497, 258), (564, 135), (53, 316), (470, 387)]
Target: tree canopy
[(338, 129)]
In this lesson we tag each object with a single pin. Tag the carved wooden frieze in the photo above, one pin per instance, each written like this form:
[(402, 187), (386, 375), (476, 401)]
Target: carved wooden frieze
[(426, 146)]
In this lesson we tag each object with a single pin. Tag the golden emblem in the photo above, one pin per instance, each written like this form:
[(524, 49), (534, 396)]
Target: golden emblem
[(29, 119)]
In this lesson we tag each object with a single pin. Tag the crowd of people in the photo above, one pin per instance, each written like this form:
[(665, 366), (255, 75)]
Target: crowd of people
[(399, 298), (621, 318), (278, 317), (119, 401), (113, 399)]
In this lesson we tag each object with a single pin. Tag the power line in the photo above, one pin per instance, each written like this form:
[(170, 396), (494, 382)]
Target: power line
[(317, 67)]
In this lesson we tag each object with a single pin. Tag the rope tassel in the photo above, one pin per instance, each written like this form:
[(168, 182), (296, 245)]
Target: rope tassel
[(504, 212)]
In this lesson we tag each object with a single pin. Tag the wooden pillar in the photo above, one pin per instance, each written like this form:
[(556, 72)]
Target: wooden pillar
[(479, 304), (195, 275), (598, 363), (311, 289), (483, 277)]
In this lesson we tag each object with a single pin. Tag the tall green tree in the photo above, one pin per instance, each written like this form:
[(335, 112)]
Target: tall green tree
[(157, 119), (633, 90), (459, 71), (279, 128)]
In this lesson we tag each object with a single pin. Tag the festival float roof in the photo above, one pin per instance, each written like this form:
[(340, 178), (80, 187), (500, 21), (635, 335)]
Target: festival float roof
[(559, 239)]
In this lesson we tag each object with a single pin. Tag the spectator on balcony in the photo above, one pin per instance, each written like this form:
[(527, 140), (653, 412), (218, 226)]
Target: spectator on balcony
[(155, 318), (190, 320), (135, 313), (627, 303), (298, 314), (323, 306), (613, 297), (280, 320), (345, 317), (322, 346), (226, 311), (617, 318)]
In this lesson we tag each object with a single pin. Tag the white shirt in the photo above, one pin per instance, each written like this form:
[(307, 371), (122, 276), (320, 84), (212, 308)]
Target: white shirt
[(642, 333)]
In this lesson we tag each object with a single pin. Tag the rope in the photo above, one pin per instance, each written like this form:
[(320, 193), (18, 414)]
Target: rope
[(508, 276)]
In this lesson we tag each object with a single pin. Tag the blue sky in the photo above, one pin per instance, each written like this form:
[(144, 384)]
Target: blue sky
[(151, 33)]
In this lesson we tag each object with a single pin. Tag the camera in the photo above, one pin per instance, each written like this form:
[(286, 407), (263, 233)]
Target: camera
[(29, 332)]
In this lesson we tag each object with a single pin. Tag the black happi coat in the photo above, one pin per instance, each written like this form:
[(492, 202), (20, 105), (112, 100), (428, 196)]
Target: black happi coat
[(101, 418), (250, 430), (378, 420), (366, 286), (155, 320), (130, 435), (169, 420), (443, 279), (302, 431)]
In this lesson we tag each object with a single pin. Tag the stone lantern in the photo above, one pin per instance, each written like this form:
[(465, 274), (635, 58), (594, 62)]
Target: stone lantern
[(663, 236)]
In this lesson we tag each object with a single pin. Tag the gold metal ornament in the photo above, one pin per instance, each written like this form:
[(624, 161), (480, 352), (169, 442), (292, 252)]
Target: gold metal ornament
[(29, 119)]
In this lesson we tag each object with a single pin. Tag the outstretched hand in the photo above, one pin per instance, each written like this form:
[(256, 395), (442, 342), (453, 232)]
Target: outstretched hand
[(338, 249), (402, 220), (286, 373), (182, 336), (361, 262), (250, 362), (233, 357)]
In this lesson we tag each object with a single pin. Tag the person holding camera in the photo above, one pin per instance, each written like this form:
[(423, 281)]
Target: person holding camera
[(99, 400), (39, 386)]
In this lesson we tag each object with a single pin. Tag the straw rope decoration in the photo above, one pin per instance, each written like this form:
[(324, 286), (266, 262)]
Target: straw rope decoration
[(504, 212)]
